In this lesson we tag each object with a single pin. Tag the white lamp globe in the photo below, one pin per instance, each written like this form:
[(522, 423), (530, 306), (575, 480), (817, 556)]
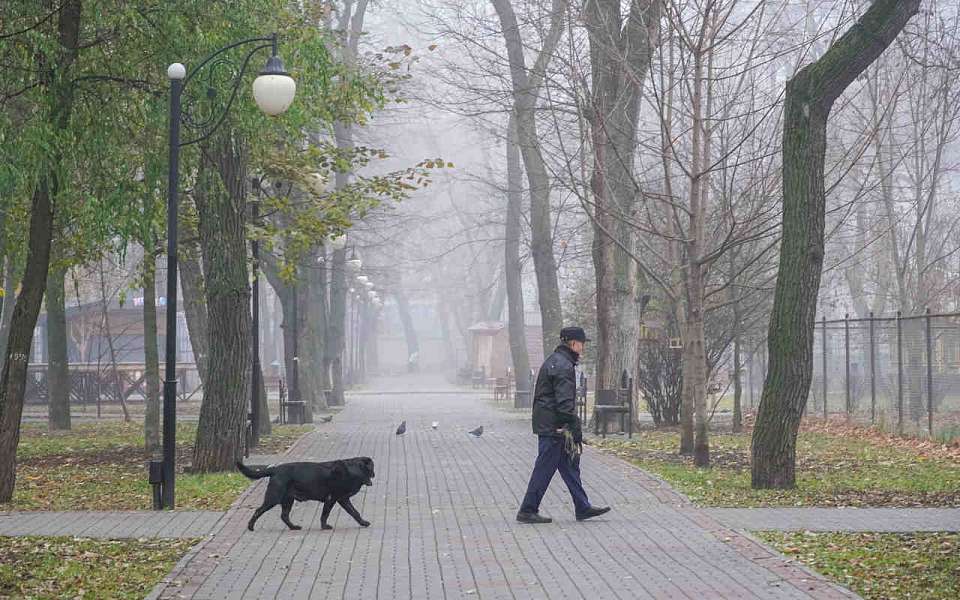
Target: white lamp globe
[(176, 71), (274, 89), (338, 243), (369, 284), (354, 265), (362, 279)]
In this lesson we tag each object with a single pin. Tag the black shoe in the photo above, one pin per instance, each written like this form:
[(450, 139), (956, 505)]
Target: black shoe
[(591, 512), (532, 518)]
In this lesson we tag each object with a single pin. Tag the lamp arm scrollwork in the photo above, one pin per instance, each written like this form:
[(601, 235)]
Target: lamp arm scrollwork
[(211, 124)]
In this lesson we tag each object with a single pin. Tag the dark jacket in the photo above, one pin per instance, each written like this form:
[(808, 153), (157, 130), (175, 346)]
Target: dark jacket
[(555, 395)]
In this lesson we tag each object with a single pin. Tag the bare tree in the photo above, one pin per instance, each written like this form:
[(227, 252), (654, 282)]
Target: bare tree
[(811, 94)]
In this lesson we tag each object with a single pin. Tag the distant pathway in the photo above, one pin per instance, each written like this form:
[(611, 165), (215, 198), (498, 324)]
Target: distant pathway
[(114, 524), (443, 506), (894, 520)]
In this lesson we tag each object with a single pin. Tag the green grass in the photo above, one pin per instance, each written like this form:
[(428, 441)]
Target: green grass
[(103, 467), (881, 566), (62, 567), (831, 471)]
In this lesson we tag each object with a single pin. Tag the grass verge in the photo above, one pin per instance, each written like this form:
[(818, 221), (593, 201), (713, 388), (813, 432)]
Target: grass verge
[(881, 566), (102, 466), (832, 470), (63, 567)]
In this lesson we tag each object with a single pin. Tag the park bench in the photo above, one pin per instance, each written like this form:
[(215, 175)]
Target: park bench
[(478, 378), (524, 399), (581, 397), (291, 411), (617, 402), (501, 389)]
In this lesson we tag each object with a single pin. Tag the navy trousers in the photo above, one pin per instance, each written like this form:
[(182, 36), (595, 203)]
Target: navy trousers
[(550, 459)]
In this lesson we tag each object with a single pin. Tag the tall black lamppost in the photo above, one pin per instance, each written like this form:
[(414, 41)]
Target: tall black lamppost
[(273, 91)]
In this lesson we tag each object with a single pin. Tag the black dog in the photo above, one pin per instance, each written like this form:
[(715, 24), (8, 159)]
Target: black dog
[(328, 482)]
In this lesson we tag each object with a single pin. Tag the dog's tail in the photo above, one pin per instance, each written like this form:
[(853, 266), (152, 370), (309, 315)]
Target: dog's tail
[(254, 474)]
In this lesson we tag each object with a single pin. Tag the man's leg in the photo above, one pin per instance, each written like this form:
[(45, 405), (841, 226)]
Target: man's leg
[(548, 459), (570, 472)]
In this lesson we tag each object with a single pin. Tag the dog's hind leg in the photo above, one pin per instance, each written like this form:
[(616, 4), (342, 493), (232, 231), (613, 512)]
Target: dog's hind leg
[(348, 506), (285, 513), (327, 507), (259, 512)]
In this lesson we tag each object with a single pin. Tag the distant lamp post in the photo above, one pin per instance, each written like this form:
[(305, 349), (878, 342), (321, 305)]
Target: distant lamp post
[(354, 264), (273, 91)]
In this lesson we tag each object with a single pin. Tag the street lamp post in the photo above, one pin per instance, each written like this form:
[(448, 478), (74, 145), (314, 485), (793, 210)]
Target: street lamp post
[(273, 91)]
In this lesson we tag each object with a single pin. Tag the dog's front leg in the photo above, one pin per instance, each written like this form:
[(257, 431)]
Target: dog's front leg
[(348, 506), (327, 507)]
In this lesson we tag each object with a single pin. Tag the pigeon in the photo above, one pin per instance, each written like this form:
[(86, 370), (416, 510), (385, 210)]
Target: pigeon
[(326, 418), (402, 429), (477, 432), (435, 424)]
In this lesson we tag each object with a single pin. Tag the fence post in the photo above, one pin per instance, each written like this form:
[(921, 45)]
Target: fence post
[(846, 352), (824, 348), (929, 378), (873, 375), (899, 372)]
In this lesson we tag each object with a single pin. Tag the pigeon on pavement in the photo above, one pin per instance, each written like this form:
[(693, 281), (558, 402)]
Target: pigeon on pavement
[(402, 429), (435, 424), (477, 432)]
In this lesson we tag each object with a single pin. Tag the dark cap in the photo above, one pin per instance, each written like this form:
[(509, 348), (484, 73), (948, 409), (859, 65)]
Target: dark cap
[(573, 334)]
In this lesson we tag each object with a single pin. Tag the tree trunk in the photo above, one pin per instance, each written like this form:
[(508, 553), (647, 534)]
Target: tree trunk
[(56, 78), (516, 328), (313, 325), (409, 331), (117, 382), (621, 48), (192, 287), (151, 349), (809, 99), (220, 433), (58, 367), (526, 88), (10, 283)]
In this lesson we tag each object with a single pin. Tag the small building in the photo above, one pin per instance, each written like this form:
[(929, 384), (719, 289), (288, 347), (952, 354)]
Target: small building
[(490, 349)]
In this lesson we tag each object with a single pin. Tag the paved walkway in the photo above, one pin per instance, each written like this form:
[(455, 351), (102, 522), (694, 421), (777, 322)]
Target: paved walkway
[(900, 520), (443, 506)]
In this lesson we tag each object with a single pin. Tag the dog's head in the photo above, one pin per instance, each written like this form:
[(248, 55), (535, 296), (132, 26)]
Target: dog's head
[(365, 464)]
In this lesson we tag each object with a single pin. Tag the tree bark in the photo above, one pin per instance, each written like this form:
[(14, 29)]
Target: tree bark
[(621, 49), (192, 286), (516, 328), (10, 282), (58, 367), (409, 331), (223, 413), (810, 96), (105, 317), (151, 349), (526, 88), (314, 328), (57, 80)]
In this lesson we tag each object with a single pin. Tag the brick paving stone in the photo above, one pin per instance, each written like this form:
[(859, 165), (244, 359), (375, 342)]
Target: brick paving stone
[(442, 510)]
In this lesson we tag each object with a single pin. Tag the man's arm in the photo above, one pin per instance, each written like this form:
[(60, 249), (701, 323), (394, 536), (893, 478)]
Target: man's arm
[(565, 391)]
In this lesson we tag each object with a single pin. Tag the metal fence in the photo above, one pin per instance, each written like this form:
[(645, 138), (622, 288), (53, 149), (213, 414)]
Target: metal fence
[(898, 373)]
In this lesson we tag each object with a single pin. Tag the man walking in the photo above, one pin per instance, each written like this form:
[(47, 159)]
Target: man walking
[(559, 429)]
